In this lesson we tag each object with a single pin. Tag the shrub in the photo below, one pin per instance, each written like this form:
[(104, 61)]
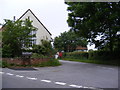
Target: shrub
[(36, 55), (51, 62), (44, 49), (104, 55), (6, 51), (5, 64), (76, 55)]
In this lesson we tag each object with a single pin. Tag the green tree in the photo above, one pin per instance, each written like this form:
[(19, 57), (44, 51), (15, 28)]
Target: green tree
[(90, 20), (16, 36), (68, 41), (45, 48)]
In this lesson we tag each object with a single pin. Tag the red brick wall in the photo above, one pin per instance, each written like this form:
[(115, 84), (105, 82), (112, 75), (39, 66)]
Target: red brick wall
[(19, 61)]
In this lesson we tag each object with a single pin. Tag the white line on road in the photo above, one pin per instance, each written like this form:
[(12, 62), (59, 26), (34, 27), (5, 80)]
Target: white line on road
[(111, 68), (9, 74), (85, 87), (105, 67), (46, 81), (19, 76), (31, 78), (76, 86), (94, 88), (1, 72), (60, 83)]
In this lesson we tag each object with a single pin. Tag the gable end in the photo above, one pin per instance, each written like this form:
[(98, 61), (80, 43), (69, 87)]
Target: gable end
[(36, 18)]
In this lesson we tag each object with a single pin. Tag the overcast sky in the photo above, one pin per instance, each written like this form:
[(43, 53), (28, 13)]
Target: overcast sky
[(52, 13)]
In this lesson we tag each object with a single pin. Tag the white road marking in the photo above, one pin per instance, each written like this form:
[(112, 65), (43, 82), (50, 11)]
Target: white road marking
[(76, 86), (1, 72), (93, 88), (60, 83), (85, 87), (106, 68), (19, 76), (9, 74), (46, 81), (31, 78), (111, 68)]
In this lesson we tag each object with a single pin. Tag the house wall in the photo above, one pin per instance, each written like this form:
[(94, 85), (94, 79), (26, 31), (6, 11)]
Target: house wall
[(41, 33)]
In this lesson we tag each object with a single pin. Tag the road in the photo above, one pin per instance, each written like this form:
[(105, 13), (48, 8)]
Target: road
[(69, 75)]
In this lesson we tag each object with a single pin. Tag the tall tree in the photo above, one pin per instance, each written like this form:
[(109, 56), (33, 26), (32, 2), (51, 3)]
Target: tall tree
[(91, 20), (17, 35), (68, 41)]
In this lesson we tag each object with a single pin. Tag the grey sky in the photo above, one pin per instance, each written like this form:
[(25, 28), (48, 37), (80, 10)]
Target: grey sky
[(52, 13)]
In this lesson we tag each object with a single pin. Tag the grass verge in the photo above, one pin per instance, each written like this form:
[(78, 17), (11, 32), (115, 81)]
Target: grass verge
[(111, 62)]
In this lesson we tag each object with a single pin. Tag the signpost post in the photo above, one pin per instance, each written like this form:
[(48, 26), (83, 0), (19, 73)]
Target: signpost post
[(26, 58)]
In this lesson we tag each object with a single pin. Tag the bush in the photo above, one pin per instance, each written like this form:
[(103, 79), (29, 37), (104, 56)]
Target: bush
[(6, 51), (76, 55), (104, 55), (51, 62), (36, 55), (44, 49), (4, 64)]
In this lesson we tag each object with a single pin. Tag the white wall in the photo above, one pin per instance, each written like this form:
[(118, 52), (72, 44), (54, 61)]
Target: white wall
[(41, 33)]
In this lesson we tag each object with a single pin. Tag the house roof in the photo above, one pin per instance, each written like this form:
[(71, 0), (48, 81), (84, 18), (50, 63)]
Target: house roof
[(81, 48), (36, 18)]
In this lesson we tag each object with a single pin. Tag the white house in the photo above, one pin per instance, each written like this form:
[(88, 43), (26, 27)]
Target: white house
[(42, 33)]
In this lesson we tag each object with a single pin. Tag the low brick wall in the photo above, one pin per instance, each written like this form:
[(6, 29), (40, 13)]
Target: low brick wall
[(19, 61)]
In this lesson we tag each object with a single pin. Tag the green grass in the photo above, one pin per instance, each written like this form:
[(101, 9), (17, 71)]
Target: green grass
[(111, 62)]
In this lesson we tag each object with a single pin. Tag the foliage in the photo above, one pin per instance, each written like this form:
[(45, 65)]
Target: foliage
[(4, 64), (98, 57), (90, 20), (68, 41), (44, 49), (52, 62), (36, 55), (76, 55), (112, 62), (17, 35), (104, 55), (6, 51)]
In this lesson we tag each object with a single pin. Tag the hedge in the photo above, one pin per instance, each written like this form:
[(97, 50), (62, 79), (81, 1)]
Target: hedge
[(93, 55), (76, 55), (104, 55)]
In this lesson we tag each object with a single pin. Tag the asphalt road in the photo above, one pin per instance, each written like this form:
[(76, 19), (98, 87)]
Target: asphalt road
[(69, 75)]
